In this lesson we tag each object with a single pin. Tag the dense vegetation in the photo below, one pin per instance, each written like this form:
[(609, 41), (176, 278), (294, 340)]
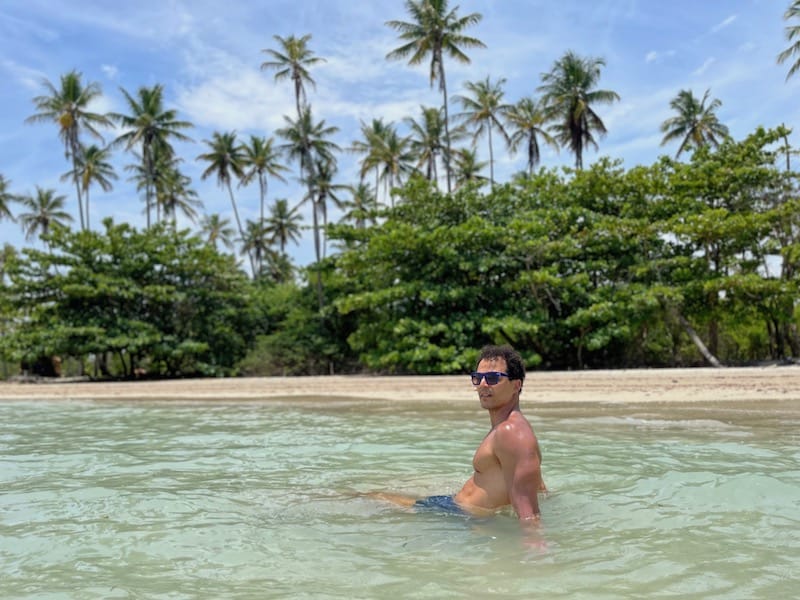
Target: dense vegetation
[(683, 262)]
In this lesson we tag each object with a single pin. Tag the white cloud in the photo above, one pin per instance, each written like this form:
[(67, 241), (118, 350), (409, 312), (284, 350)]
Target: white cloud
[(722, 25), (704, 67)]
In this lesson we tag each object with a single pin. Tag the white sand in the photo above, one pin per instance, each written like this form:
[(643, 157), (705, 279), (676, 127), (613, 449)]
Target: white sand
[(624, 386)]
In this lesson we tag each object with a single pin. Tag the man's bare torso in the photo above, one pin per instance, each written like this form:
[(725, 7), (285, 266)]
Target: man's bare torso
[(487, 490)]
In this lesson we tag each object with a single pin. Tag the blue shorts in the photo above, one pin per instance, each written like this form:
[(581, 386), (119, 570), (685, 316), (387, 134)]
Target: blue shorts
[(445, 504)]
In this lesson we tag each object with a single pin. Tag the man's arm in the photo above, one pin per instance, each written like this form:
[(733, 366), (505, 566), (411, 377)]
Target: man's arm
[(518, 452)]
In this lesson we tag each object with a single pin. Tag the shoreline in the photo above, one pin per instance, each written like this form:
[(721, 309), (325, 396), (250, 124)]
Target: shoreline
[(732, 384)]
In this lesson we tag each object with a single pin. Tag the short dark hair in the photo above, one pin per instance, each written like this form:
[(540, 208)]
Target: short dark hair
[(514, 364)]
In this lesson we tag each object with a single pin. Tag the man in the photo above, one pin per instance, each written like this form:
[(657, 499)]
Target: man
[(508, 461)]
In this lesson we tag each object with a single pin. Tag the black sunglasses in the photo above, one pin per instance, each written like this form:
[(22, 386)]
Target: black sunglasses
[(491, 377)]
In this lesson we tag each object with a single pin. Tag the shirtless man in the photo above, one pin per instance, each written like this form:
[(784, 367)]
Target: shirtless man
[(508, 461)]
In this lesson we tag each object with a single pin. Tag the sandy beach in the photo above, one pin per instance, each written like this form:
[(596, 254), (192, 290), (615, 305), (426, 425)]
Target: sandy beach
[(618, 387)]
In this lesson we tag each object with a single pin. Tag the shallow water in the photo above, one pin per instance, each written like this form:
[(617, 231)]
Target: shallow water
[(261, 500)]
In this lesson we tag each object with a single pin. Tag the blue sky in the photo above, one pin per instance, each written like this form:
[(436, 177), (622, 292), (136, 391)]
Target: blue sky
[(207, 54)]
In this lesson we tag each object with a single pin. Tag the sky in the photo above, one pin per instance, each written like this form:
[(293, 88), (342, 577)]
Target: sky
[(207, 56)]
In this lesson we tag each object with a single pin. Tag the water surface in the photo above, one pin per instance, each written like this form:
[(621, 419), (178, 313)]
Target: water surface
[(262, 500)]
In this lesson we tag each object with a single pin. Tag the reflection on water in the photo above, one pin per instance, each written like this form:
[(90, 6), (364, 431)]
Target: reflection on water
[(160, 500)]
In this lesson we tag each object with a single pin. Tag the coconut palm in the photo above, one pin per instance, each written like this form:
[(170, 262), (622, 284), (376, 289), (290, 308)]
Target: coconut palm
[(150, 128), (321, 189), (226, 161), (283, 224), (292, 62), (569, 94), (427, 136), (435, 31), (361, 208), (526, 120), (696, 123), (6, 198), (374, 139), (467, 167), (260, 159), (46, 209), (216, 229), (174, 193), (256, 243), (307, 142), (68, 106), (483, 111), (793, 36), (93, 167)]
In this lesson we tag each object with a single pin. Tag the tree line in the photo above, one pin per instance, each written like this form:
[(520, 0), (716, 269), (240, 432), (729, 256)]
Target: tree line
[(588, 267)]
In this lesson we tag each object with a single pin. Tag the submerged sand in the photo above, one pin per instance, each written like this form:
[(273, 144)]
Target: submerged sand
[(619, 386)]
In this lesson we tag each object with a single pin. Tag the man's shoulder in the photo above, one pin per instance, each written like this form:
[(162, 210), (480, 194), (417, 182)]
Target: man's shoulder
[(515, 429)]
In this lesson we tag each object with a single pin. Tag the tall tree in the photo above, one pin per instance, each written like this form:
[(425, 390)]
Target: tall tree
[(696, 123), (793, 36), (361, 208), (307, 141), (292, 62), (256, 243), (215, 229), (483, 111), (467, 167), (46, 208), (427, 139), (226, 160), (395, 160), (435, 31), (68, 107), (261, 160), (283, 224), (527, 123), (93, 167), (371, 146), (6, 197), (570, 92), (151, 128)]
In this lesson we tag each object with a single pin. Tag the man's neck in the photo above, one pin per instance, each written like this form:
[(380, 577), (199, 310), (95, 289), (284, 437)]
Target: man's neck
[(502, 413)]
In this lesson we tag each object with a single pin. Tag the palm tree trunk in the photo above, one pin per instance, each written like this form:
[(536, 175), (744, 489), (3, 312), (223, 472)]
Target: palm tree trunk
[(712, 360), (317, 253), (491, 159), (449, 153), (239, 225), (74, 148)]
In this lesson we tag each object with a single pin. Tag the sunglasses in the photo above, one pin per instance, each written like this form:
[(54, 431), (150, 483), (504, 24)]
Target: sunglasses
[(491, 377)]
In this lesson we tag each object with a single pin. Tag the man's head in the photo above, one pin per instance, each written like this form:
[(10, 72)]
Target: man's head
[(514, 365)]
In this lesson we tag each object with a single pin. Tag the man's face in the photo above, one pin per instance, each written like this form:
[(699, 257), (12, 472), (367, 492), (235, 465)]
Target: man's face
[(500, 394)]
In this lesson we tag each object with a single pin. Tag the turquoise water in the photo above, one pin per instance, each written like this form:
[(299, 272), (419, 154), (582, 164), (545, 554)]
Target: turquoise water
[(261, 500)]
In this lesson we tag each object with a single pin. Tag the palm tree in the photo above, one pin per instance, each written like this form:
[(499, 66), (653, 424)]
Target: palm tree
[(483, 111), (226, 160), (526, 120), (374, 135), (435, 31), (292, 62), (793, 35), (320, 189), (260, 159), (427, 139), (361, 207), (256, 244), (46, 209), (307, 142), (6, 197), (467, 167), (569, 92), (174, 193), (216, 229), (150, 127), (67, 106), (695, 124), (93, 167), (396, 160), (283, 224)]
